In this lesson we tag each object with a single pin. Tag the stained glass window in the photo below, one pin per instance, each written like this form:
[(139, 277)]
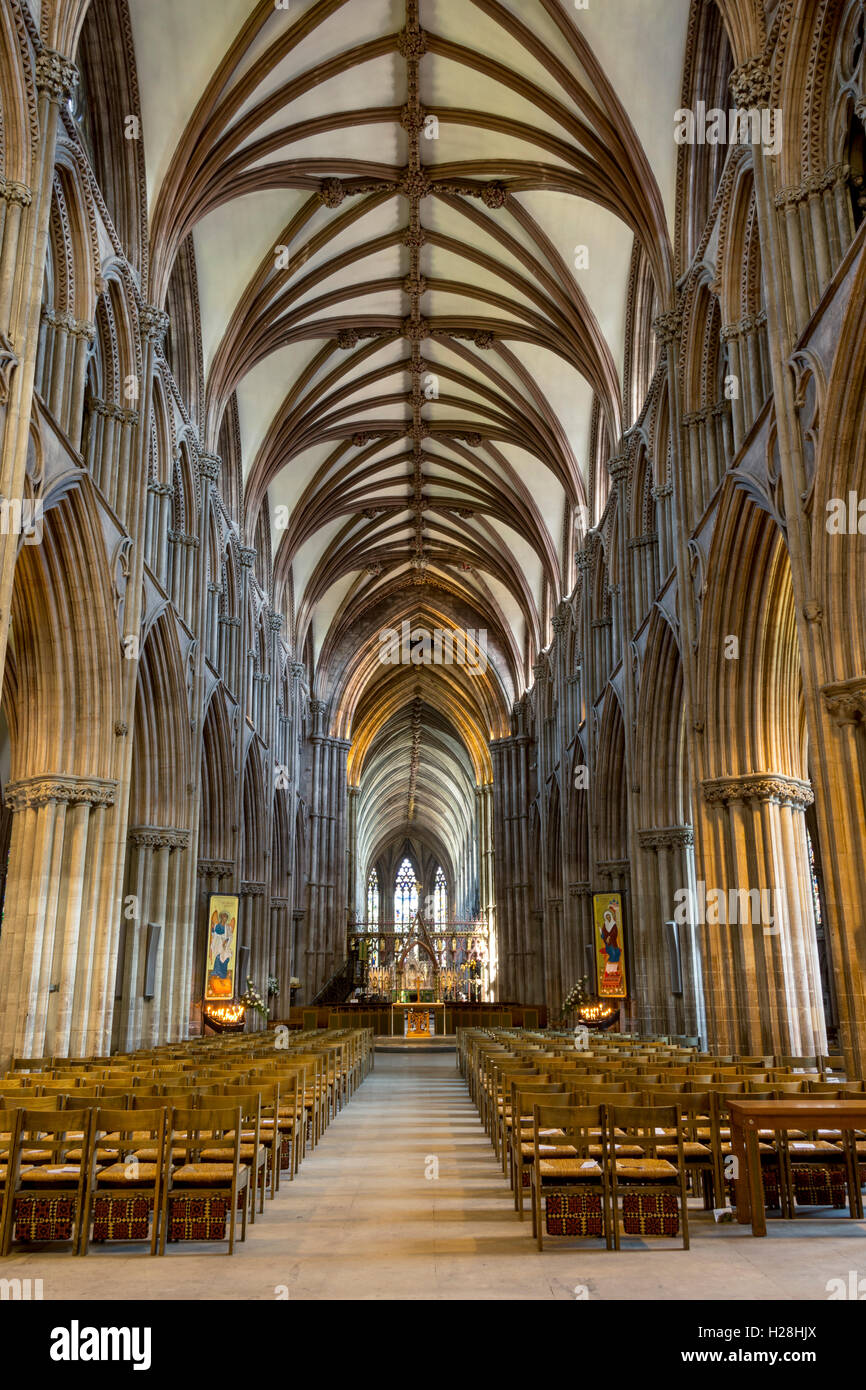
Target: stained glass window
[(373, 898), (440, 898), (405, 895), (816, 896)]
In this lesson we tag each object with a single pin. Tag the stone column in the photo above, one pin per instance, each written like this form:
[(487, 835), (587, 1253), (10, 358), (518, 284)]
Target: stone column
[(764, 946), (843, 775), (668, 868), (43, 946)]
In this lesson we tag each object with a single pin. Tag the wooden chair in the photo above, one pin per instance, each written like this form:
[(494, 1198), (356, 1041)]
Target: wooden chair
[(570, 1150), (253, 1153), (647, 1128), (700, 1141), (126, 1163), (41, 1172), (517, 1136), (32, 1064), (10, 1123), (192, 1131)]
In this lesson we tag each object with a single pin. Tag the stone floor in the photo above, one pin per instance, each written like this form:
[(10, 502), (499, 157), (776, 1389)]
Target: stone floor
[(367, 1219)]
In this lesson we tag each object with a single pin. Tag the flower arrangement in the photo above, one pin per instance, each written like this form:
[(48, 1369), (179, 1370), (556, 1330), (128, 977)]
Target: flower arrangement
[(273, 986), (578, 995), (253, 1000)]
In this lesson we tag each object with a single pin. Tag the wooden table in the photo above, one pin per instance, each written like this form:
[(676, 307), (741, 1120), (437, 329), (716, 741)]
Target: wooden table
[(794, 1112)]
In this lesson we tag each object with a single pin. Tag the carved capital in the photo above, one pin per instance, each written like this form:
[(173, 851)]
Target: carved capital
[(668, 326), (750, 84), (12, 192), (619, 469), (612, 868), (209, 467), (215, 868), (247, 555), (846, 700), (55, 75), (758, 786), (249, 889), (31, 792), (667, 837), (158, 837), (154, 323), (560, 620)]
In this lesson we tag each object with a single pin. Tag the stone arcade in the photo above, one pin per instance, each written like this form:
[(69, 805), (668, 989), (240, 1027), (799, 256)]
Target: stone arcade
[(323, 326)]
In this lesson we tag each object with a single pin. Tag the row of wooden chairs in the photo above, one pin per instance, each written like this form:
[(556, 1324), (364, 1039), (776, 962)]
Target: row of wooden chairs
[(511, 1075), (175, 1130)]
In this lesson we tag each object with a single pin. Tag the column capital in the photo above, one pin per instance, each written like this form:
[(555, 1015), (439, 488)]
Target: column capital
[(55, 75), (560, 620), (209, 467), (31, 792), (154, 323), (846, 700), (668, 326), (247, 554), (765, 787), (667, 837), (215, 868), (750, 84), (609, 868), (158, 837), (12, 192), (619, 469)]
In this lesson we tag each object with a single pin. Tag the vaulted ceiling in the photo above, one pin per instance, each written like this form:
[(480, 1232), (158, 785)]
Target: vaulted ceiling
[(388, 202)]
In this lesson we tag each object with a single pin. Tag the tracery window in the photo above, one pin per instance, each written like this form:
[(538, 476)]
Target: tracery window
[(373, 898), (440, 898), (405, 894)]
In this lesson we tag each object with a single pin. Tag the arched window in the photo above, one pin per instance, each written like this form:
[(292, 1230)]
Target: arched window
[(440, 898), (405, 894), (373, 898)]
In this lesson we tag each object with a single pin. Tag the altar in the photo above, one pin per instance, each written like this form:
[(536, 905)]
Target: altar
[(417, 1020)]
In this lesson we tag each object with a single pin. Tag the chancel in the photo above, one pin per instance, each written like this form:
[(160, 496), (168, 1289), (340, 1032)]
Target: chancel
[(432, 647)]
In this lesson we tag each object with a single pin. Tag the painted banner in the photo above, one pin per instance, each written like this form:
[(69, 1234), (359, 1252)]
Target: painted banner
[(609, 945), (222, 946)]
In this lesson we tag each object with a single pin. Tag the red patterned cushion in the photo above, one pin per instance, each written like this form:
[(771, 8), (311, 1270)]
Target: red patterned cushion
[(816, 1186), (44, 1218), (772, 1190), (650, 1214), (197, 1218), (122, 1218), (574, 1214)]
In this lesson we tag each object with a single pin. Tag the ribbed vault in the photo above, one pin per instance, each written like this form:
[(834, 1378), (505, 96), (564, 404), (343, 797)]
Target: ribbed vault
[(415, 228)]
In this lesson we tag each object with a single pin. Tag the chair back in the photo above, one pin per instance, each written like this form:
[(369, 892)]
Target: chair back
[(579, 1130)]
